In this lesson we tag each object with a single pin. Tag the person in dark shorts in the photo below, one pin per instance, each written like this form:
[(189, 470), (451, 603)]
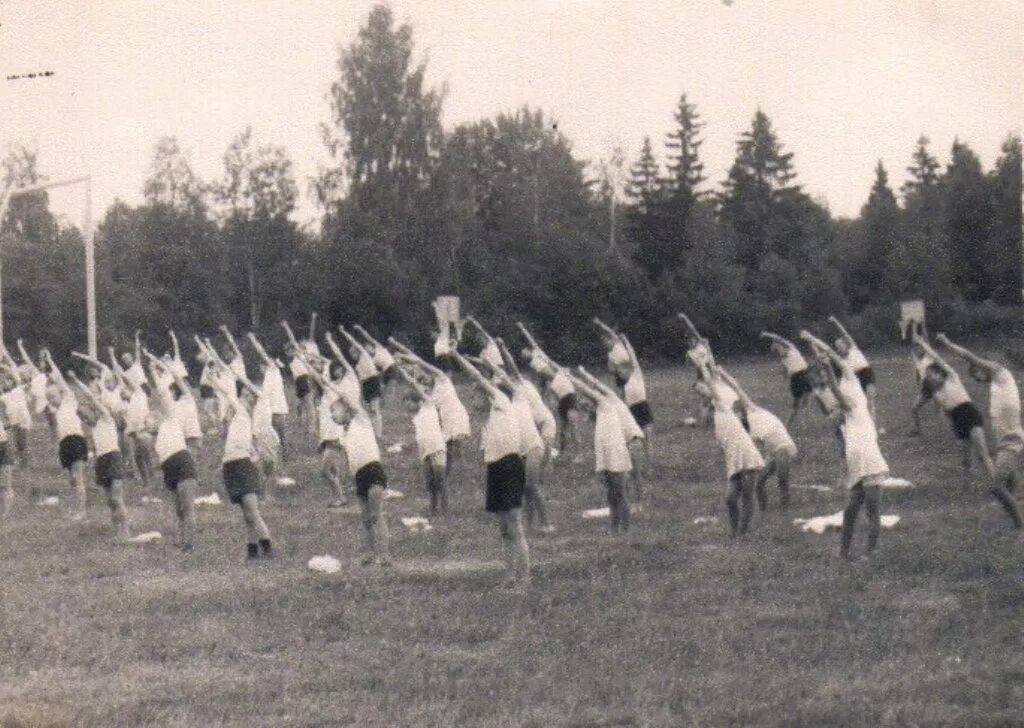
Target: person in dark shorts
[(6, 468), (561, 387), (73, 450), (176, 462), (381, 357), (797, 372), (109, 464), (964, 417), (853, 356), (634, 394), (241, 476), (506, 473), (426, 422), (369, 378)]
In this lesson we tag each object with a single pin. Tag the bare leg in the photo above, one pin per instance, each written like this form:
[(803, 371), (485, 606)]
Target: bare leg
[(732, 504), (77, 476), (118, 512), (1003, 485), (746, 500), (783, 464), (850, 519), (330, 470), (6, 491), (186, 512), (872, 508), (377, 537), (760, 486), (517, 552)]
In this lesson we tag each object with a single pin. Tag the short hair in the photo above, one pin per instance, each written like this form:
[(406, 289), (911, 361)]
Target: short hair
[(239, 387)]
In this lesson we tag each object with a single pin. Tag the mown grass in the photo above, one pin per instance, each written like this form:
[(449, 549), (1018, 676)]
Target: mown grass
[(672, 625)]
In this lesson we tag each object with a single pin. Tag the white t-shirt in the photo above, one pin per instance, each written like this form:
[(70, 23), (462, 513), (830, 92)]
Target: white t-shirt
[(170, 439), (617, 356), (560, 385), (635, 390), (542, 416), (361, 446), (298, 367), (237, 367), (327, 427), (68, 421), (273, 390), (427, 423), (768, 430), (37, 388), (611, 454), (500, 436), (179, 368), (350, 389), (238, 443), (724, 392), (365, 368), (187, 413), (740, 451), (529, 435), (136, 412), (793, 360), (454, 417), (856, 359), (1004, 408), (952, 393), (382, 358), (860, 438), (104, 436), (113, 401), (921, 364), (135, 374), (16, 405), (492, 354)]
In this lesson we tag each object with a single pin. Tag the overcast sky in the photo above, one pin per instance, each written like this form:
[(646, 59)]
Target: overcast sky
[(845, 82)]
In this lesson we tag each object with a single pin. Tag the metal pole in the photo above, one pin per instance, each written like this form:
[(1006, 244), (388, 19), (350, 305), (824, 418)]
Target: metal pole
[(90, 270)]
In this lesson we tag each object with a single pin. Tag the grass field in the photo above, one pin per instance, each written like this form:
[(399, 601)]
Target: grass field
[(671, 625)]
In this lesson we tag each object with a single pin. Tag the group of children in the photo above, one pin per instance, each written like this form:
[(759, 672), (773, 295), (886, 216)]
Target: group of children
[(138, 413)]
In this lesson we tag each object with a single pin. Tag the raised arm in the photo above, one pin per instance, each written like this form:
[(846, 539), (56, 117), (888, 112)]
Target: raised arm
[(338, 353), (605, 328), (55, 371), (821, 346), (25, 357), (842, 330), (259, 349), (401, 348), (312, 326), (476, 376), (630, 352), (353, 342), (88, 394), (595, 383), (934, 355), (175, 348), (584, 388), (411, 381), (231, 342), (138, 344), (508, 359), (833, 385), (529, 339), (91, 360), (985, 364), (778, 339), (689, 325), (366, 335), (734, 385)]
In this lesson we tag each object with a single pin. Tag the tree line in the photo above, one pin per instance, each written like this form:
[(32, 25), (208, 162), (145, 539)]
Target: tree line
[(502, 213)]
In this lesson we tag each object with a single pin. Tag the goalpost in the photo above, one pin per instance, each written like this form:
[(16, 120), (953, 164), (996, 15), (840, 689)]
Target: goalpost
[(90, 259)]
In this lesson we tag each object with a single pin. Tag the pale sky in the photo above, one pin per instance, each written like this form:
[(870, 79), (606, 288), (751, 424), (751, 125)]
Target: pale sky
[(845, 82)]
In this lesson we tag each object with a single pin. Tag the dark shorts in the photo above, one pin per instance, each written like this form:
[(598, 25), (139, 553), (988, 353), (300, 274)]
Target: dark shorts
[(328, 445), (388, 375), (177, 468), (964, 418), (368, 476), (302, 386), (620, 381), (72, 449), (207, 392), (371, 388), (642, 413), (5, 455), (800, 383), (865, 376), (241, 478), (20, 435), (566, 405), (109, 467), (926, 390), (506, 479)]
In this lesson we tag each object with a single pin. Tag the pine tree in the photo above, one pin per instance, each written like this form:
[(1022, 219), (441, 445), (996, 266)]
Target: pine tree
[(643, 187), (685, 170), (967, 216)]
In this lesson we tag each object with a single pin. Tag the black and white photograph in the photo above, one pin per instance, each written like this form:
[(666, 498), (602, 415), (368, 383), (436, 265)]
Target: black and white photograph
[(542, 364)]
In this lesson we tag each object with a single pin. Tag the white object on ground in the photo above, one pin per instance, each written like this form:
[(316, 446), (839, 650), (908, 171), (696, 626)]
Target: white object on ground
[(390, 494), (882, 431), (606, 512), (820, 524), (396, 448), (147, 537), (705, 519), (416, 523), (285, 482), (823, 488), (50, 500), (208, 500), (324, 564), (690, 421), (896, 483), (150, 499)]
